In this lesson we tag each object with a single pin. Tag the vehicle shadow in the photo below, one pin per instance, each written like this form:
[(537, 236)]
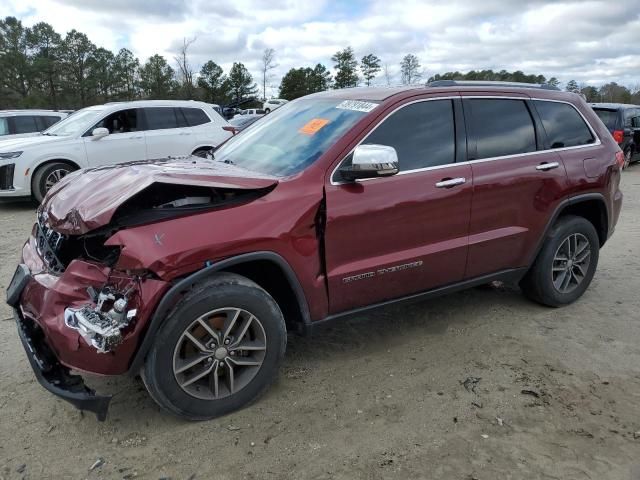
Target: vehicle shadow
[(371, 335)]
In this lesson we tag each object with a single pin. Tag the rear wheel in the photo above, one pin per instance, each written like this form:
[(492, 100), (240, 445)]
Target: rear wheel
[(47, 176), (267, 110), (566, 264), (218, 350)]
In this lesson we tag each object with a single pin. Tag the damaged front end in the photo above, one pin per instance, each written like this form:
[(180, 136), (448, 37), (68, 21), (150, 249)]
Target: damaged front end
[(78, 301)]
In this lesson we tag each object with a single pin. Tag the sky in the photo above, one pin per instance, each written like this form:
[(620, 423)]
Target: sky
[(593, 42)]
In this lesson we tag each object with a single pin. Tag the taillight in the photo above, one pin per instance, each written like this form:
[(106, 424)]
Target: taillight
[(620, 158), (229, 128), (618, 136)]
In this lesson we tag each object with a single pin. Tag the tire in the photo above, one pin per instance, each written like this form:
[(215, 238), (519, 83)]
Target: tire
[(42, 178), (173, 350), (541, 282), (267, 110), (627, 158)]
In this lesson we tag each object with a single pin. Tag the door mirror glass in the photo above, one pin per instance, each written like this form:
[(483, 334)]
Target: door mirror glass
[(371, 161), (99, 132)]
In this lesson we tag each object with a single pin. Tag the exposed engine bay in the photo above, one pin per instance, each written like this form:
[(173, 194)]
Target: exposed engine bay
[(159, 201)]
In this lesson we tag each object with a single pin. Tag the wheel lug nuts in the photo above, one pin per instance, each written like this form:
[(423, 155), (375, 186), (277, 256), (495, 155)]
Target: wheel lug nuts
[(227, 341)]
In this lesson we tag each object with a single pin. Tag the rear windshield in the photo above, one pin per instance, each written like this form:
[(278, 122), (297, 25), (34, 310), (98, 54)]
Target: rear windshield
[(608, 117), (294, 136)]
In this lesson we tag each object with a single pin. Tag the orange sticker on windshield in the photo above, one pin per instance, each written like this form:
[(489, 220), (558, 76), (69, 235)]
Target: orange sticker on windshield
[(313, 126)]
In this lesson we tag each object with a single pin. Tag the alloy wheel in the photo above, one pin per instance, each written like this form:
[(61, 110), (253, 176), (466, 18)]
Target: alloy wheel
[(571, 263), (54, 177), (219, 353)]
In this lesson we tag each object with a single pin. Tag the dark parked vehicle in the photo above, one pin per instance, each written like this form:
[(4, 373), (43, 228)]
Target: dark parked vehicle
[(623, 121), (191, 272)]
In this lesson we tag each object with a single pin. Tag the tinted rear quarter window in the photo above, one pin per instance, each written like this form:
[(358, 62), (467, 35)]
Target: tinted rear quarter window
[(563, 124), (608, 117), (423, 134), (48, 120), (195, 116), (159, 118), (4, 126), (502, 127), (25, 124)]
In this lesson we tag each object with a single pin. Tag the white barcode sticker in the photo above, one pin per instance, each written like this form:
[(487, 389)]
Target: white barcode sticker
[(357, 105)]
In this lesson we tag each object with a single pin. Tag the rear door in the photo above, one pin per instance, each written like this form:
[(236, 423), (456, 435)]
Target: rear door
[(166, 133), (517, 185), (204, 128), (391, 237)]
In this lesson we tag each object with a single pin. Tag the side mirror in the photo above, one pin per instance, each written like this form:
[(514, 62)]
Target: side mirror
[(371, 161), (98, 133)]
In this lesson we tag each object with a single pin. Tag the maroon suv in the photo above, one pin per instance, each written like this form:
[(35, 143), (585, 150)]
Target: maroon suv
[(191, 272)]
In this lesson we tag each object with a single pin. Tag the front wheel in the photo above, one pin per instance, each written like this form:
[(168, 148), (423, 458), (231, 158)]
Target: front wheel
[(566, 264), (47, 176), (219, 349)]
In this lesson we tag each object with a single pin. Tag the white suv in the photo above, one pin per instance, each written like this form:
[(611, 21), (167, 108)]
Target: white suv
[(27, 123), (273, 103), (108, 134)]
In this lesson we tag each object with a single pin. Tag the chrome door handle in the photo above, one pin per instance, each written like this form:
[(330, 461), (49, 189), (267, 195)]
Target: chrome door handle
[(547, 166), (451, 182)]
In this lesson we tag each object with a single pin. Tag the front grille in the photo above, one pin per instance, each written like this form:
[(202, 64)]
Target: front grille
[(6, 177), (49, 242)]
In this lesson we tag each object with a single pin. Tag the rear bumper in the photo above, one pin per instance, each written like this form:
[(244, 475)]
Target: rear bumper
[(54, 376)]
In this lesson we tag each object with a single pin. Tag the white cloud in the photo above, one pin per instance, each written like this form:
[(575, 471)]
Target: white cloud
[(591, 41)]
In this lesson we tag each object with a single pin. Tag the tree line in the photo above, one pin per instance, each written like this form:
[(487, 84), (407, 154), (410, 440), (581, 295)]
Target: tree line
[(40, 68)]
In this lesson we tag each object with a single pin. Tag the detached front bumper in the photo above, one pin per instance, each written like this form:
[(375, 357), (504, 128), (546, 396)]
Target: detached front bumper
[(54, 376)]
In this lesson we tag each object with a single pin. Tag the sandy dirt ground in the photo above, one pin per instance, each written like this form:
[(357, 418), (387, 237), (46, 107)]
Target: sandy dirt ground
[(378, 397)]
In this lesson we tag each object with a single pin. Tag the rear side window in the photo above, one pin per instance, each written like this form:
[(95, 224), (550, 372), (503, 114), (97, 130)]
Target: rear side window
[(25, 124), (502, 127), (159, 118), (195, 116), (4, 126), (608, 117), (563, 124), (423, 134), (47, 120)]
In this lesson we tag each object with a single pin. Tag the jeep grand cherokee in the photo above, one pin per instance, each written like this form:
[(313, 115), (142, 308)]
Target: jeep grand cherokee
[(191, 272)]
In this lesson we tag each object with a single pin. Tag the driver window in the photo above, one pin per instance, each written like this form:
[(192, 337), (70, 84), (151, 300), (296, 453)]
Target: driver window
[(423, 134), (124, 121)]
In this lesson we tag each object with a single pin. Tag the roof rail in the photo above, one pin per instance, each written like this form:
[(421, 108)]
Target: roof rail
[(487, 83)]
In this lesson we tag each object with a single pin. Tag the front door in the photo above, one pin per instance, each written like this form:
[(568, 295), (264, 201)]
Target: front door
[(125, 142), (390, 237)]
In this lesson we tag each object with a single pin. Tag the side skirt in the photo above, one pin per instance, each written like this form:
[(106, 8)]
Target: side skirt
[(511, 275)]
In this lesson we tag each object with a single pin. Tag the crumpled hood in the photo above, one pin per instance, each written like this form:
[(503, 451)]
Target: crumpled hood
[(87, 199)]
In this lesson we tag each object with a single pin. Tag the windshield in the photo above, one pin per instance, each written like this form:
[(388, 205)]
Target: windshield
[(608, 117), (294, 136), (76, 123)]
